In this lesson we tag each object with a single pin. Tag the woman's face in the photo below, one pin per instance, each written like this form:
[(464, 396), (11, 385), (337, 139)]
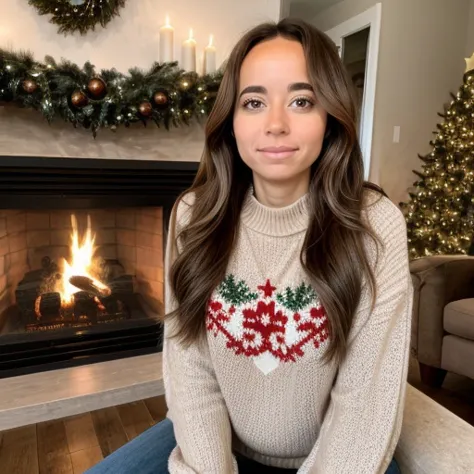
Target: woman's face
[(279, 127)]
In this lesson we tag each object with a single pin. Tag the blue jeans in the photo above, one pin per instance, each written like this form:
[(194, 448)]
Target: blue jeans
[(149, 453)]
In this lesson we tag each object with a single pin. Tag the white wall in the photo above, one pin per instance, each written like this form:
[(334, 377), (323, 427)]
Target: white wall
[(129, 40), (341, 12), (132, 39), (422, 45), (470, 32)]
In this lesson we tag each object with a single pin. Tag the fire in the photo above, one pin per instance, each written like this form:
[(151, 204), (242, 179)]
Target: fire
[(81, 262)]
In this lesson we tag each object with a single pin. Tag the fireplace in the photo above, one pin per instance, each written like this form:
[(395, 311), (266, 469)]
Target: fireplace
[(81, 258)]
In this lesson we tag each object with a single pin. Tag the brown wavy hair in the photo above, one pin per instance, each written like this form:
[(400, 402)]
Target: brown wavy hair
[(333, 253)]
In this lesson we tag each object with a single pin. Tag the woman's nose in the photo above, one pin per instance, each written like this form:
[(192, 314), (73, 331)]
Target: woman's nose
[(277, 122)]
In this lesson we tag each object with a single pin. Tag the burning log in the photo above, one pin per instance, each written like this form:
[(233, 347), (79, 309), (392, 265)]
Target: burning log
[(85, 305), (90, 286), (48, 305)]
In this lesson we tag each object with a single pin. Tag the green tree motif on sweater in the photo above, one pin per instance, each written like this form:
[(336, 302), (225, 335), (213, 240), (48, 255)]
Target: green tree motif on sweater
[(296, 299), (238, 292)]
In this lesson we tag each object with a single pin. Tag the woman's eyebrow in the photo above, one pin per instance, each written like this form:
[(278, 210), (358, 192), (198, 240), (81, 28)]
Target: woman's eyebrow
[(296, 86), (300, 86)]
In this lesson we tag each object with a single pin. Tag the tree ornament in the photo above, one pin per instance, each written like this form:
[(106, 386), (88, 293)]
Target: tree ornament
[(145, 108), (97, 88), (160, 98), (29, 86), (72, 17), (469, 66), (79, 99)]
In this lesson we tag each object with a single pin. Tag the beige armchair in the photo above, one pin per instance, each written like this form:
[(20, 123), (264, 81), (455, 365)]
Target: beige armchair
[(443, 316)]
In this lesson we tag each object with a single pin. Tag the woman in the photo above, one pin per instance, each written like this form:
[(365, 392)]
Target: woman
[(289, 297)]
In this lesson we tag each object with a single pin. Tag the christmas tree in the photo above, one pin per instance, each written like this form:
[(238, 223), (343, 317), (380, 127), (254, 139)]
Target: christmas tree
[(440, 213)]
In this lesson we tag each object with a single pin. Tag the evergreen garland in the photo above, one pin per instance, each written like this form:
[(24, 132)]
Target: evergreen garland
[(82, 17), (84, 97)]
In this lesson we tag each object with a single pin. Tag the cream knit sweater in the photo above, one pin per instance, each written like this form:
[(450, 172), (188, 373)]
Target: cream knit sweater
[(258, 385)]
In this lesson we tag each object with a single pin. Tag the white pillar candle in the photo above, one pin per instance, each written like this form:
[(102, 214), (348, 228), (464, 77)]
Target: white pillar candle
[(189, 53), (210, 57), (166, 42)]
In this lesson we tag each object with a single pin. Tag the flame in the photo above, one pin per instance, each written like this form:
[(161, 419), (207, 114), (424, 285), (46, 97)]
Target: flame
[(167, 21), (191, 34), (81, 261), (211, 40)]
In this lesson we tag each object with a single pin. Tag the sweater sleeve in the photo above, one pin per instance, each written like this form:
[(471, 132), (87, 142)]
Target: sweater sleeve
[(196, 406), (362, 424)]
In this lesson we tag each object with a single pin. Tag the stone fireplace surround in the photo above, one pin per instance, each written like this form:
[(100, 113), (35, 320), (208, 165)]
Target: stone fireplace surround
[(39, 192)]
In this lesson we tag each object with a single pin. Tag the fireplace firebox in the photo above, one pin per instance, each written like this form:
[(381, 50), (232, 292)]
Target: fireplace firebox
[(81, 258)]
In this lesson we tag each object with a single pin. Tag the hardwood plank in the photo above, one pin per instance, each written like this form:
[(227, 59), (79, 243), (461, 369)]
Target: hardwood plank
[(135, 418), (19, 451), (109, 430), (157, 408), (53, 452), (80, 433), (85, 459)]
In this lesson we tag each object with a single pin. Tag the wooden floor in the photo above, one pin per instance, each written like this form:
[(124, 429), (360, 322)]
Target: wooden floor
[(73, 445), (456, 394)]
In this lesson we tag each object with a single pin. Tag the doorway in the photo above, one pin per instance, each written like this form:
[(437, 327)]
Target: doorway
[(357, 40)]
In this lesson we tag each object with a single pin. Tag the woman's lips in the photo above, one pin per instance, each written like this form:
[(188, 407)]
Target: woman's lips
[(278, 151)]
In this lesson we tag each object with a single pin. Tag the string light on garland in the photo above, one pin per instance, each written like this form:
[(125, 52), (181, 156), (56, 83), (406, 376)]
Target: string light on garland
[(78, 15), (164, 94), (440, 213)]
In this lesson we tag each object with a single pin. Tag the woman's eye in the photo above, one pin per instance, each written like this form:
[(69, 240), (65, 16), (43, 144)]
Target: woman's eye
[(252, 104), (303, 103)]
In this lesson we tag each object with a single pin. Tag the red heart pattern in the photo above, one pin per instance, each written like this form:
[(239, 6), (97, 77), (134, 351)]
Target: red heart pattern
[(266, 327)]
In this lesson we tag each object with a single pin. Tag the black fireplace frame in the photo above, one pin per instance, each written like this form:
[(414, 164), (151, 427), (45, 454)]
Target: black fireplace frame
[(83, 183)]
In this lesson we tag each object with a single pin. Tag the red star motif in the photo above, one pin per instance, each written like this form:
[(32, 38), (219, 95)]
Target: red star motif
[(267, 289)]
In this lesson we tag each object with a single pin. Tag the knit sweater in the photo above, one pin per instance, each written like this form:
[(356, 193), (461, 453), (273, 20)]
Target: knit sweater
[(257, 385)]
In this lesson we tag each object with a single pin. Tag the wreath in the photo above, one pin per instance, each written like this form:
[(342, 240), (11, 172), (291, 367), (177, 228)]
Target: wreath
[(78, 15)]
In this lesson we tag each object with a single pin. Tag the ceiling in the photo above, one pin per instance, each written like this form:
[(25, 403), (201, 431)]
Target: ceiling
[(309, 8)]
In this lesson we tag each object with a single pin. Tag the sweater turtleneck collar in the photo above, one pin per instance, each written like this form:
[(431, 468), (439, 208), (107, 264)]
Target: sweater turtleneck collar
[(281, 221)]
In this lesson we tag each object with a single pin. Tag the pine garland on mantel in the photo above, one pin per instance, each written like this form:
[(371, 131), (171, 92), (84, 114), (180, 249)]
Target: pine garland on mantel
[(165, 94)]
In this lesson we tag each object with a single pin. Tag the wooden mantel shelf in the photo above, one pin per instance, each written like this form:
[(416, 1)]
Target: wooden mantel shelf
[(43, 396)]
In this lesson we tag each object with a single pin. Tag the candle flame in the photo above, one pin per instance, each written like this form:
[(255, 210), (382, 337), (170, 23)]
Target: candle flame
[(191, 34), (167, 20), (211, 39)]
